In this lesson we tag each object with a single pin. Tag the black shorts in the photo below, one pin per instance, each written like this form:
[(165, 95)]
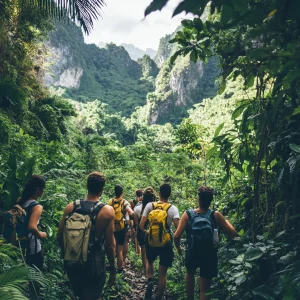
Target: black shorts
[(86, 284), (120, 236), (166, 254), (35, 260), (141, 237), (208, 263)]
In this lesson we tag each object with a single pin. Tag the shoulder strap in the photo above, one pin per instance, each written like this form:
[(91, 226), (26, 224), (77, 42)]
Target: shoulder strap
[(96, 209), (76, 203), (169, 206), (154, 205), (30, 206), (190, 213)]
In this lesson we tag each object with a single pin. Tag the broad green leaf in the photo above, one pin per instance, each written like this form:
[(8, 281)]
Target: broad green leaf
[(155, 5), (253, 254), (222, 87), (187, 24), (198, 24), (193, 56), (241, 279), (296, 111), (239, 110), (218, 130), (175, 55), (295, 147)]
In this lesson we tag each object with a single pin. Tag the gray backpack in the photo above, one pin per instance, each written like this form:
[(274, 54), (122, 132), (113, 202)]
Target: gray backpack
[(200, 232)]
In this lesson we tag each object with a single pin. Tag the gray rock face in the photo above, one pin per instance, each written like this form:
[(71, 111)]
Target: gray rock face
[(62, 71), (184, 82)]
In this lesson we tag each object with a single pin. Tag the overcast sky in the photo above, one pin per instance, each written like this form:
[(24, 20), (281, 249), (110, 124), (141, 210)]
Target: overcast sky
[(123, 22)]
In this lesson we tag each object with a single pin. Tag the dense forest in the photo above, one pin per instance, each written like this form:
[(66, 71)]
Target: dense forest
[(237, 131)]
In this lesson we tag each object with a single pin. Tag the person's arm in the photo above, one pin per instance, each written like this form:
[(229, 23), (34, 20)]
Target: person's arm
[(225, 225), (109, 236), (59, 235), (35, 215), (182, 225), (145, 216), (143, 223), (132, 214)]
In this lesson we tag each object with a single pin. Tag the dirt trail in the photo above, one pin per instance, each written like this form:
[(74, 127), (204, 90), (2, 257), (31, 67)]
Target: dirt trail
[(136, 281)]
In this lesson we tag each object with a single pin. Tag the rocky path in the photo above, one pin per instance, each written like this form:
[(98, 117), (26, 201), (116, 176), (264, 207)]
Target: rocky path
[(131, 285)]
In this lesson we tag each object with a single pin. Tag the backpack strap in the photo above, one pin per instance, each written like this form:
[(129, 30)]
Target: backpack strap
[(76, 204), (168, 207), (191, 214), (30, 206), (96, 209)]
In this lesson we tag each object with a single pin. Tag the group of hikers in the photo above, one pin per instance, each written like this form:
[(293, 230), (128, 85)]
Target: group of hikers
[(91, 230)]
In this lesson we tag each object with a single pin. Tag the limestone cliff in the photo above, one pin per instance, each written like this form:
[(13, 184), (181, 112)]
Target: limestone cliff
[(88, 72), (178, 86)]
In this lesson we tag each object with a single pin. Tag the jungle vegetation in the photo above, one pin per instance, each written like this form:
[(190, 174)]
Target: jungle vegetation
[(244, 142)]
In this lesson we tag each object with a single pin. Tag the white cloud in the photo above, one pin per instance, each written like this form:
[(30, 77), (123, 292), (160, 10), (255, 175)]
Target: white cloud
[(123, 22)]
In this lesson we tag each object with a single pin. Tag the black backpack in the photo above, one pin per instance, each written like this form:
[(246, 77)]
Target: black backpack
[(200, 232)]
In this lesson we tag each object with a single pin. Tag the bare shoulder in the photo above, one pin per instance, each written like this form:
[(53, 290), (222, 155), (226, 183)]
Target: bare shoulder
[(107, 212), (37, 207), (69, 208), (219, 217)]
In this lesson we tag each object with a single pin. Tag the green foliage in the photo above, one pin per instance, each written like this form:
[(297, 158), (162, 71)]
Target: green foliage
[(108, 73), (243, 142)]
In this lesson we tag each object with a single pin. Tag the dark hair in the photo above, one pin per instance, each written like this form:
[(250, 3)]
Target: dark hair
[(205, 194), (139, 193), (95, 183), (31, 187), (118, 190), (149, 196), (165, 191)]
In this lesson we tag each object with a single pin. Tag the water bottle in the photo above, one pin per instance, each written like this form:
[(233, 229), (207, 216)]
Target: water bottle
[(216, 238)]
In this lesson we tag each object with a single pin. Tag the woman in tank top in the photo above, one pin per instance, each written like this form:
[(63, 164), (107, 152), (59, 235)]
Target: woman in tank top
[(34, 189)]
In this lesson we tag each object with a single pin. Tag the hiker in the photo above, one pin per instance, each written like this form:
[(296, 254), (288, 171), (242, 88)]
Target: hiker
[(133, 203), (84, 254), (160, 216), (121, 207), (148, 197), (34, 188), (138, 198), (202, 237), (20, 226)]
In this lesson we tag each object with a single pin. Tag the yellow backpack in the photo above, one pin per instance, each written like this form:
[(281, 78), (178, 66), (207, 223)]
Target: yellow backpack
[(158, 232), (118, 206)]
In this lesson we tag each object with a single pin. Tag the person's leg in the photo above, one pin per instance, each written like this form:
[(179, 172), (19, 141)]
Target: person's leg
[(144, 259), (125, 248), (150, 269), (162, 281), (136, 244), (190, 284), (119, 257), (150, 273), (204, 288)]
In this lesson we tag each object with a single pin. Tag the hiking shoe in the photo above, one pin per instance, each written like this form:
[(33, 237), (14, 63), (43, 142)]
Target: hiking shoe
[(149, 291)]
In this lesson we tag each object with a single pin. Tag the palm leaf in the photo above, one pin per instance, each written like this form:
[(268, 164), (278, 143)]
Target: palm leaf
[(83, 12)]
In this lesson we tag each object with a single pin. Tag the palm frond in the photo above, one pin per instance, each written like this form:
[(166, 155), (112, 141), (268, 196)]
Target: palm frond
[(8, 293), (14, 278), (83, 12)]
